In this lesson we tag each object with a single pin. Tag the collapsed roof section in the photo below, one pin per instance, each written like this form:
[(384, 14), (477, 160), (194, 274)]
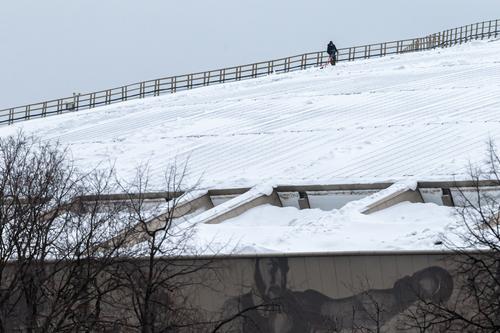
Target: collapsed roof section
[(216, 206)]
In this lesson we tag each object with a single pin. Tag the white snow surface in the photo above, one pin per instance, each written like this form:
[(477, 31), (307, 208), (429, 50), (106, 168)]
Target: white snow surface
[(420, 115), (270, 229)]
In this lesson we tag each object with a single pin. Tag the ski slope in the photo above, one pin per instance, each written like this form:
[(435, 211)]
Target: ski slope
[(420, 115)]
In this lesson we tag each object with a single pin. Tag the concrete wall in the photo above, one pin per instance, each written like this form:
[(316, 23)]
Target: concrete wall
[(321, 293), (293, 293)]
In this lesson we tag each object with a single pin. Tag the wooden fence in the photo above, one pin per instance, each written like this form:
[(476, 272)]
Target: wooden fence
[(481, 30)]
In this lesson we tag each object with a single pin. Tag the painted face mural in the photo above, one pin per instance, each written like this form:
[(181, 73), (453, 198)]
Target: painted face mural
[(270, 277), (312, 311)]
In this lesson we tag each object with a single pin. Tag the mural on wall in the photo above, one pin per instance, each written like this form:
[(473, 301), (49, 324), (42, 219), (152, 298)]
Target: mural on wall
[(312, 311)]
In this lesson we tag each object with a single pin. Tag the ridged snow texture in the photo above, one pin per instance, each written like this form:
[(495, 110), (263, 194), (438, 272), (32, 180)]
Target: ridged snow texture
[(423, 115)]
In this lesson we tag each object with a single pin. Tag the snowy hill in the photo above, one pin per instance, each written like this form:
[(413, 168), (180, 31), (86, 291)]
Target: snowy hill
[(420, 116)]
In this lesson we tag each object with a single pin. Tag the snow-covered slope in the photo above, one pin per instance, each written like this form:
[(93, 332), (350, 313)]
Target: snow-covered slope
[(423, 115)]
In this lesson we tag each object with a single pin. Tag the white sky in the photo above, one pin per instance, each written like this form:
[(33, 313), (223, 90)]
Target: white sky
[(51, 48)]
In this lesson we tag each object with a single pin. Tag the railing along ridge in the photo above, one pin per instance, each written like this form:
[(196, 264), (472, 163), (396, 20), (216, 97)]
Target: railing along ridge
[(445, 38)]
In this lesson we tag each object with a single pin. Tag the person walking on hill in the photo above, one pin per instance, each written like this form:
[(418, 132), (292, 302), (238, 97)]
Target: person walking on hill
[(332, 53)]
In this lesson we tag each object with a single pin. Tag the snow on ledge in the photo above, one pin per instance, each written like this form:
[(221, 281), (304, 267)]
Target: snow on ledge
[(366, 204), (262, 190)]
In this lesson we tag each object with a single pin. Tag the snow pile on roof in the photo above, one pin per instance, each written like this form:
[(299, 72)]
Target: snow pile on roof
[(268, 229), (422, 115)]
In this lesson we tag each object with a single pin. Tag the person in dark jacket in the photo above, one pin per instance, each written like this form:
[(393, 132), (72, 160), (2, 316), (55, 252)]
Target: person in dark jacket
[(332, 52)]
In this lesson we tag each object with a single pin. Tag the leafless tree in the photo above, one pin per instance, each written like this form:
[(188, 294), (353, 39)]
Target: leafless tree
[(90, 252), (48, 252), (475, 258)]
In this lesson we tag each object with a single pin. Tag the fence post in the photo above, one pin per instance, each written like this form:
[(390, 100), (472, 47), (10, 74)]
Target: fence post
[(11, 116), (141, 90), (489, 29), (189, 81), (208, 78), (173, 84), (482, 30), (124, 93), (44, 109), (156, 91), (27, 113), (254, 70), (496, 28)]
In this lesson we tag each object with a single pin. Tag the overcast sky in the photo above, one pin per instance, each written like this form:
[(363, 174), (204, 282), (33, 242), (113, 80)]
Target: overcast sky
[(51, 48)]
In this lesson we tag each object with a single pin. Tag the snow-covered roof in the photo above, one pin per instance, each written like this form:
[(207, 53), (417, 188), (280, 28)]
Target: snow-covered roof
[(419, 116), (422, 115)]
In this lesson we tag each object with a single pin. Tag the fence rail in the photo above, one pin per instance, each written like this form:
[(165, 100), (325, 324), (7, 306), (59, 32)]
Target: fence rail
[(450, 37)]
